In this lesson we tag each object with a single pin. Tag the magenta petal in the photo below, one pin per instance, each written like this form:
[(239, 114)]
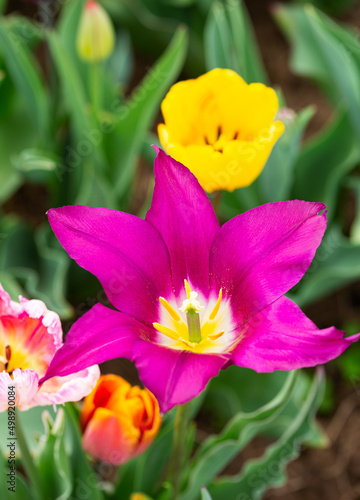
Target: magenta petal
[(125, 253), (281, 337), (259, 255), (99, 335), (174, 377), (186, 220)]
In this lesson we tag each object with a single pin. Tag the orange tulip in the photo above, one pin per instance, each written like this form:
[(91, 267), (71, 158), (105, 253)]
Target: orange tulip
[(119, 421)]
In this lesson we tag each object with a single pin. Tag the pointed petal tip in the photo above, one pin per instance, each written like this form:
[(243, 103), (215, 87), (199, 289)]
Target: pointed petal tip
[(156, 148), (352, 338)]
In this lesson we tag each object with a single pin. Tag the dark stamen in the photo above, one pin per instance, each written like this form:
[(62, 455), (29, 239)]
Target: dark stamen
[(219, 132), (235, 136), (8, 352)]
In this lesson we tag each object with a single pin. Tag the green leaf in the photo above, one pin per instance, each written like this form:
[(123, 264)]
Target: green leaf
[(322, 163), (205, 495), (68, 26), (50, 286), (22, 489), (16, 132), (52, 462), (269, 470), (217, 451), (153, 462), (36, 165), (334, 7), (84, 481), (277, 178), (320, 55), (354, 185), (217, 39), (23, 69), (245, 43), (125, 141), (121, 61), (88, 135), (230, 42), (144, 472), (335, 265), (95, 189), (40, 272), (238, 389), (24, 28), (32, 424)]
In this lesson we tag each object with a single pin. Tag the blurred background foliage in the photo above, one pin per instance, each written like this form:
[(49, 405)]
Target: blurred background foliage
[(71, 133)]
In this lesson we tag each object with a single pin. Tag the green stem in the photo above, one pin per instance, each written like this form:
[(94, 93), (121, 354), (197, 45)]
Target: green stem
[(95, 87), (179, 447), (27, 460)]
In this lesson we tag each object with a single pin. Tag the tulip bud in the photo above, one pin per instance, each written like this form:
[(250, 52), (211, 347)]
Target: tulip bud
[(119, 421), (96, 36)]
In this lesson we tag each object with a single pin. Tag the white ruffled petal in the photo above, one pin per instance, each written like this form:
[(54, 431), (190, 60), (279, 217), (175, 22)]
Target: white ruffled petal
[(58, 390)]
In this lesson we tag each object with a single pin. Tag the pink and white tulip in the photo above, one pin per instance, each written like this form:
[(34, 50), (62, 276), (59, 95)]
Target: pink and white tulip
[(30, 335)]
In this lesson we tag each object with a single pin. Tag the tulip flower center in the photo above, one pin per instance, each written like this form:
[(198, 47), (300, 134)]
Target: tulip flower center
[(195, 327), (24, 345), (12, 359), (220, 141)]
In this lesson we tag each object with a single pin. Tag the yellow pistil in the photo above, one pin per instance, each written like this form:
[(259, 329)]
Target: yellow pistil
[(192, 307), (190, 326)]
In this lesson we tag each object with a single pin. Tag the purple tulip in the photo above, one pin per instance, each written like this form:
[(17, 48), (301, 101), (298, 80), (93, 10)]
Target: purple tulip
[(192, 297)]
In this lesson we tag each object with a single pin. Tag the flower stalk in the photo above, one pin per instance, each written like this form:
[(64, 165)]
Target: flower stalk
[(27, 460), (179, 447), (95, 97)]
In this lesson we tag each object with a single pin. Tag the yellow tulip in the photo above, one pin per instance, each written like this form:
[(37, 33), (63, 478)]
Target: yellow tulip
[(221, 128), (119, 421), (96, 37)]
